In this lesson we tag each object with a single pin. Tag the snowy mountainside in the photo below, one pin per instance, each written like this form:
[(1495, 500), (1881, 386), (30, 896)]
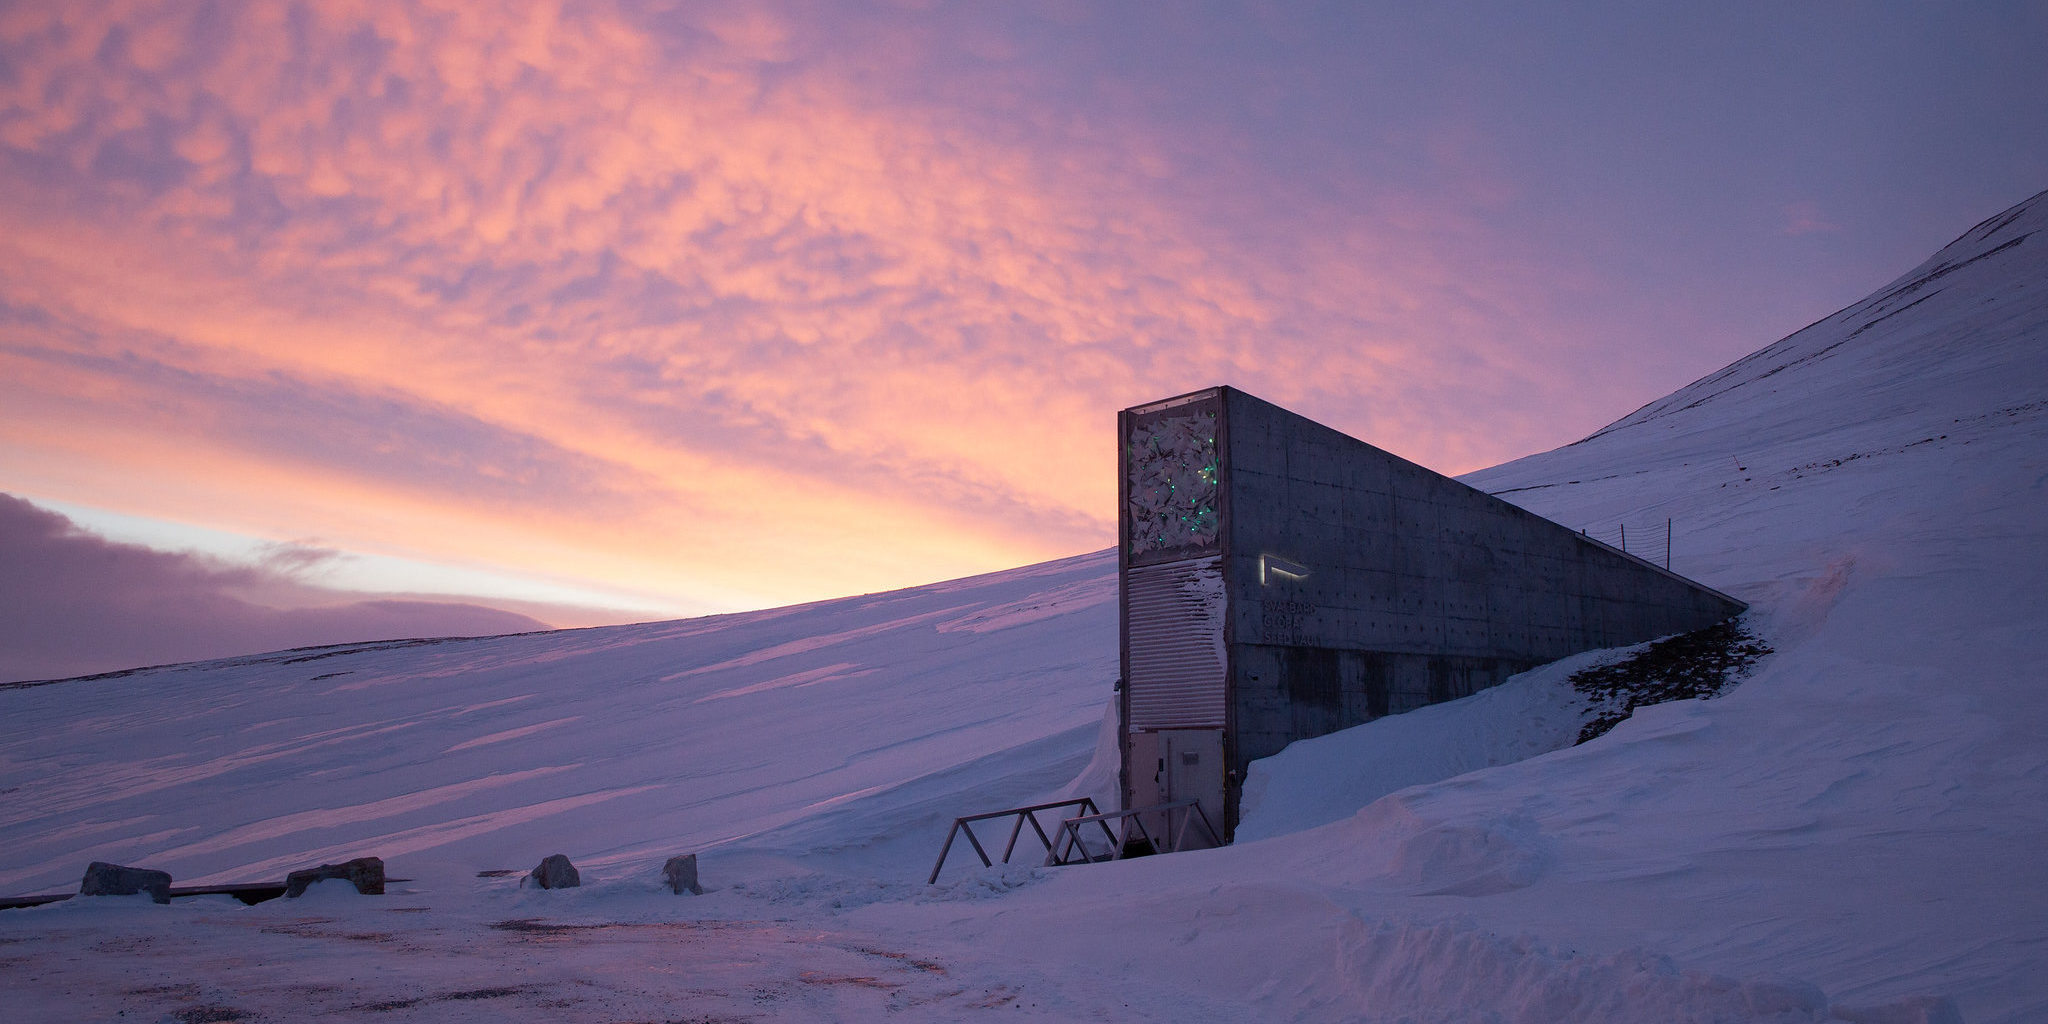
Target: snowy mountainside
[(1948, 352), (1853, 834), (1884, 377), (1866, 812), (614, 742)]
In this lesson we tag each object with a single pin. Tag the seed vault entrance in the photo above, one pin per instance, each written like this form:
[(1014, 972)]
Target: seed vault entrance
[(1281, 580)]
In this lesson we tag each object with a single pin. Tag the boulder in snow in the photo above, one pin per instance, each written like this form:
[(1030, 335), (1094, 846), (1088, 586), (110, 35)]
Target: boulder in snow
[(681, 875), (556, 873), (104, 879), (365, 873)]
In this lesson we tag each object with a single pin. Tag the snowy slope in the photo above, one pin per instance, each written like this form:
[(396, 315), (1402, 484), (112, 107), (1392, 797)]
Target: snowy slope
[(621, 742), (1868, 812), (1853, 834)]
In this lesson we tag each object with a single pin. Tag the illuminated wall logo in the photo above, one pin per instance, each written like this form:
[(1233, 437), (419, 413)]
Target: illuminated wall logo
[(1274, 569)]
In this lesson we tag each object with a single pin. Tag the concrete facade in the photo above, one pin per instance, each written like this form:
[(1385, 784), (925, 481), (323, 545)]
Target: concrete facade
[(1354, 584)]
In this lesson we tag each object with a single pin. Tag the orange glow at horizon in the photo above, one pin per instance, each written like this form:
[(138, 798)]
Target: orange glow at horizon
[(674, 304)]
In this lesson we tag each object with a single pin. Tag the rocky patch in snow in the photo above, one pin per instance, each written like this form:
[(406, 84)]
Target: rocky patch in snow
[(1697, 665)]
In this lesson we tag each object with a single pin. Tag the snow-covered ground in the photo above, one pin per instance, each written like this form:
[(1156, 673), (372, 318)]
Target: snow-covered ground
[(1857, 832)]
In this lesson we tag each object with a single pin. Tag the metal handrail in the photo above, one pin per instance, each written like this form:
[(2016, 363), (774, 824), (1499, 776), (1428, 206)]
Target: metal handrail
[(1133, 825), (1023, 814)]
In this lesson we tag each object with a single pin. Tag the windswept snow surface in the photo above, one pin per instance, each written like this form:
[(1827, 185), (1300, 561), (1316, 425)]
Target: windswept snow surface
[(1855, 833), (847, 727)]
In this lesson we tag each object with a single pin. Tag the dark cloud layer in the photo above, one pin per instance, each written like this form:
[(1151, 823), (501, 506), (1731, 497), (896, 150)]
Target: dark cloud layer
[(72, 603)]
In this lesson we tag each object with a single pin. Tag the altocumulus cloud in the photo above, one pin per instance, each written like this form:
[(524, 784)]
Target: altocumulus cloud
[(73, 603), (692, 300)]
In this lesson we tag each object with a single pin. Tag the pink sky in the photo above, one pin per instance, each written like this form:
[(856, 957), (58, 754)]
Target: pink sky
[(690, 307)]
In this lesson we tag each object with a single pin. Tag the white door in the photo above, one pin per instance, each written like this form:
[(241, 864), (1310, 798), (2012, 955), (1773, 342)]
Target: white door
[(1193, 771)]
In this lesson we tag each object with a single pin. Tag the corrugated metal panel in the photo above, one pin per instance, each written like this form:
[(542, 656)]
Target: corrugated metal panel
[(1175, 638)]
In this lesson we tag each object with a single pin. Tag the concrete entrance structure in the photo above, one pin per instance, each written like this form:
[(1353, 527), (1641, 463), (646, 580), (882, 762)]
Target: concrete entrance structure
[(1281, 580)]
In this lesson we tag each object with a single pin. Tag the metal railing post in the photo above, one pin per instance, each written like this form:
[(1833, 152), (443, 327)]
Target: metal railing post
[(976, 843), (943, 850), (1022, 814)]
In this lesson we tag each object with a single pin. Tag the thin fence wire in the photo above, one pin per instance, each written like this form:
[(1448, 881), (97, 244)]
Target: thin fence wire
[(1650, 541)]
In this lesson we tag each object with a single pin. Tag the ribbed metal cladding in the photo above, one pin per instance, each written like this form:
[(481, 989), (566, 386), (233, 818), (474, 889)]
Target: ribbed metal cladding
[(1175, 635)]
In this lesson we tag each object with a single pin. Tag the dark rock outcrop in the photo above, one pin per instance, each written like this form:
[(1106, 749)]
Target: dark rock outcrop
[(681, 875), (556, 873), (1702, 664), (365, 873), (104, 879)]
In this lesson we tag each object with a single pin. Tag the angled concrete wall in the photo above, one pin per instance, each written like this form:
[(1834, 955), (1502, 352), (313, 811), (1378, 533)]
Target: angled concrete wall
[(1354, 584), (1386, 586)]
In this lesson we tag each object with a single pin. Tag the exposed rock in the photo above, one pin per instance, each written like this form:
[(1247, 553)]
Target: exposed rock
[(681, 875), (365, 873), (556, 873), (1701, 664), (104, 879)]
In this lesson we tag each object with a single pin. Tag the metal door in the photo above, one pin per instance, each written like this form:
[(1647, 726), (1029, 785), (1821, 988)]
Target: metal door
[(1193, 771)]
